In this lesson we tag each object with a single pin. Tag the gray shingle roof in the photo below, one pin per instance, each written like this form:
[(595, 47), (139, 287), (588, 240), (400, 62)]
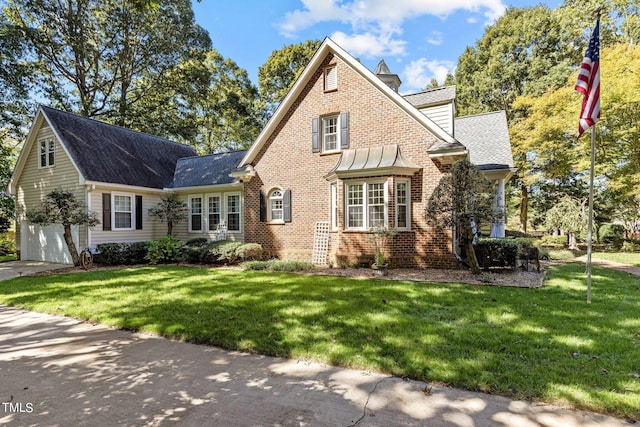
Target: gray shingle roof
[(213, 169), (487, 138), (433, 96), (116, 155)]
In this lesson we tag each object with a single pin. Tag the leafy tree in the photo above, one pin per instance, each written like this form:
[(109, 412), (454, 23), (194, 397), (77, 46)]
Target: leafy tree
[(62, 207), (211, 105), (283, 67), (569, 215), (463, 198), (170, 210), (91, 54)]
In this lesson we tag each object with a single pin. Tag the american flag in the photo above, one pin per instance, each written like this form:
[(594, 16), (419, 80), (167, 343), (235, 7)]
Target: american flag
[(589, 83)]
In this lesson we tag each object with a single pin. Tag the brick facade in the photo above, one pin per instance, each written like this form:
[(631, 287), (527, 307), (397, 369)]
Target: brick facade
[(286, 162)]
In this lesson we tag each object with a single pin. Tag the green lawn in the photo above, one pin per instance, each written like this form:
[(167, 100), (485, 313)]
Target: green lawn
[(543, 344), (629, 258), (7, 258)]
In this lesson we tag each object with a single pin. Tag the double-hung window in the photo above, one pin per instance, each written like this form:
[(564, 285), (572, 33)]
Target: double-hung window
[(403, 205), (47, 153), (213, 212), (366, 205), (233, 212), (122, 212), (330, 134), (276, 205), (195, 213)]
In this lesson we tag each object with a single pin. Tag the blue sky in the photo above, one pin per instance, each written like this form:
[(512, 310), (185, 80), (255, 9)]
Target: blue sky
[(418, 39)]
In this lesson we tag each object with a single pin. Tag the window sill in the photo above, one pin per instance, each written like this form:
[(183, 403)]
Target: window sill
[(330, 153), (276, 222), (330, 90)]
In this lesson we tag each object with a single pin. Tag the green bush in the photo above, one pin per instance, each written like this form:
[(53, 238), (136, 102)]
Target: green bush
[(496, 253), (164, 250), (249, 251), (288, 266), (612, 234), (559, 241), (7, 245), (629, 245), (197, 242), (122, 253), (222, 251)]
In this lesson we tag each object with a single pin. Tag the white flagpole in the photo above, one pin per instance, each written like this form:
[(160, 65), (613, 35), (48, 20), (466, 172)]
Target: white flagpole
[(590, 225)]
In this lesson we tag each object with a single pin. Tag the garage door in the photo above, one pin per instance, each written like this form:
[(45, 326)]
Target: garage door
[(46, 243)]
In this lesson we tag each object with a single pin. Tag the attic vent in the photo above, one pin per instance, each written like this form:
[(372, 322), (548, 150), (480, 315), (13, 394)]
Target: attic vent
[(331, 78)]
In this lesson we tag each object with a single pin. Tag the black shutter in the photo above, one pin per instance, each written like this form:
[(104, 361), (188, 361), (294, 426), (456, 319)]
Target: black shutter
[(315, 135), (138, 212), (106, 211), (344, 130), (263, 207), (286, 206)]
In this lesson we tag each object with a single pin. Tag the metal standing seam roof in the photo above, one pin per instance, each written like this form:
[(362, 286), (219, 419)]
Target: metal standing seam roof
[(212, 169), (116, 155), (369, 160), (487, 138)]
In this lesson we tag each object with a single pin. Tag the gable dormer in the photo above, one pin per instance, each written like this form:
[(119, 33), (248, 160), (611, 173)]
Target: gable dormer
[(439, 104), (384, 74)]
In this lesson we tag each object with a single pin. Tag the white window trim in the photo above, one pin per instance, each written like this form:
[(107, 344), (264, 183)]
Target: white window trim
[(240, 211), (365, 192), (270, 208), (202, 216), (333, 214), (114, 225), (207, 225), (322, 133), (47, 152), (408, 203), (330, 85)]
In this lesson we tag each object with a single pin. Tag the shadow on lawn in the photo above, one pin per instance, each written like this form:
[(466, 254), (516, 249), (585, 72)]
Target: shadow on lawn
[(540, 344)]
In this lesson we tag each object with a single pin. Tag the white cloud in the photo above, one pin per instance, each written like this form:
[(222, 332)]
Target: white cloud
[(435, 39), (375, 24), (420, 72), (371, 44), (363, 13)]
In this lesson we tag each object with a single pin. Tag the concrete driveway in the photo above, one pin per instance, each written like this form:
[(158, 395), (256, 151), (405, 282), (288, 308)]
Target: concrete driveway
[(11, 269), (56, 371)]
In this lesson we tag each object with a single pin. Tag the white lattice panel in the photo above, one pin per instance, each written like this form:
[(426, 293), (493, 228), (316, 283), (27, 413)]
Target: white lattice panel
[(320, 243)]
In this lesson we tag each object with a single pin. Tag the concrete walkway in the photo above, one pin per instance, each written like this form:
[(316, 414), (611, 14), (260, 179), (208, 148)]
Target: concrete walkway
[(12, 269), (56, 371)]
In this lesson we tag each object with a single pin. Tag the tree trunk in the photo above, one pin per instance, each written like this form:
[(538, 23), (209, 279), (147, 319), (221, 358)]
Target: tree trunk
[(68, 239), (572, 241), (524, 207), (170, 228), (471, 253)]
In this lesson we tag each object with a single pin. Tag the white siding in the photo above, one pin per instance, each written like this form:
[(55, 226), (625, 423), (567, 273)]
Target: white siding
[(150, 229), (35, 182), (182, 230), (442, 115)]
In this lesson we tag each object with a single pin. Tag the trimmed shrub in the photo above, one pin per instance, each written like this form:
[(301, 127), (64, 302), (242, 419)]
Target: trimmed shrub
[(164, 250), (288, 266), (249, 251), (122, 253), (7, 245), (558, 241), (222, 251), (496, 253), (197, 242)]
